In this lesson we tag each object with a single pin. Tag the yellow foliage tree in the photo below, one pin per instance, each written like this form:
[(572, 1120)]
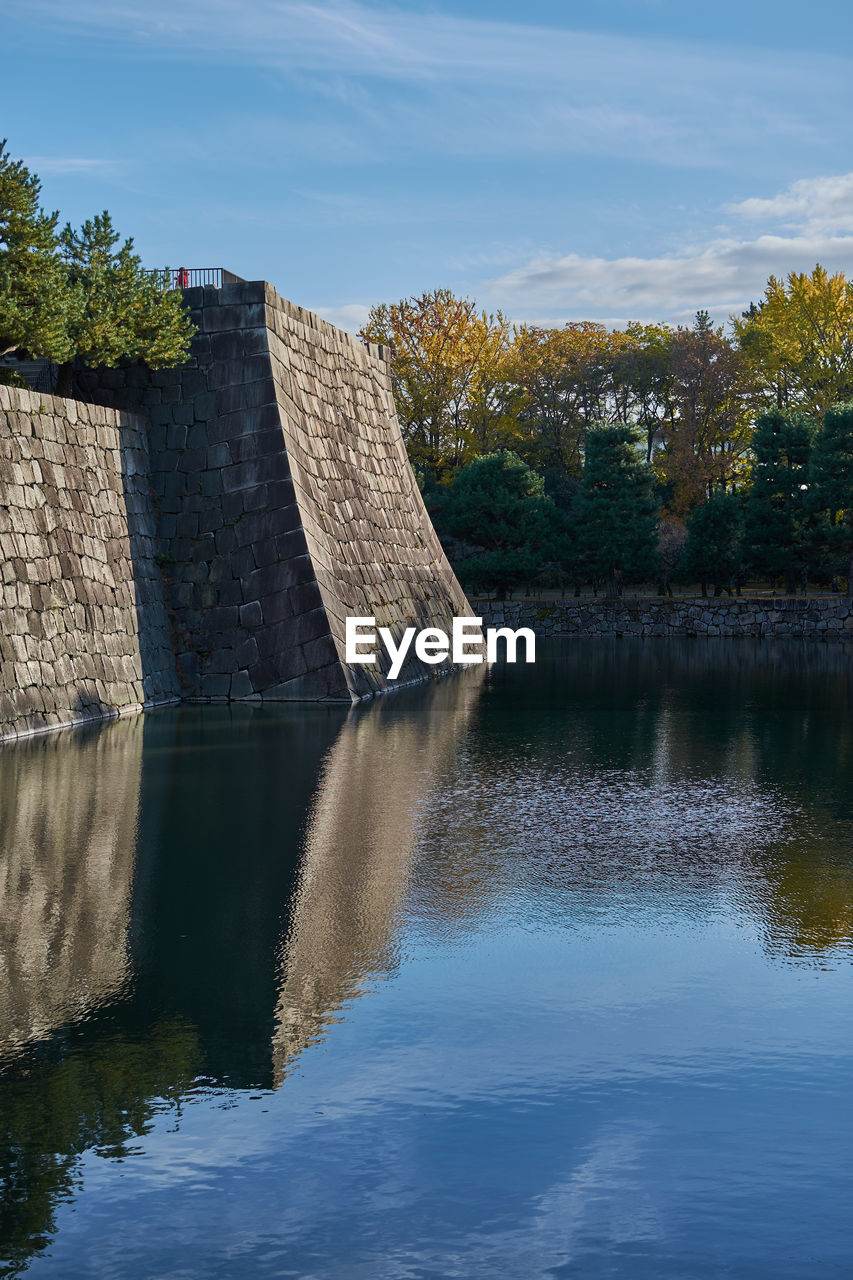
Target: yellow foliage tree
[(799, 340), (448, 369)]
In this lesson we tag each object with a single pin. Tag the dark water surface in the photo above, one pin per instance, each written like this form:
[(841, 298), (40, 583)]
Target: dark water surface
[(538, 973)]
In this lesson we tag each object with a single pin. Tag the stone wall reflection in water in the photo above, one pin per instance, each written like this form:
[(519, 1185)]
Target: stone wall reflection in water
[(68, 816), (363, 832), (191, 902)]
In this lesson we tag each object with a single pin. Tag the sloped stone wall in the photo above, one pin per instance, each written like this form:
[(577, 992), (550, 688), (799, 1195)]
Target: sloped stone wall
[(371, 543), (83, 626), (285, 501)]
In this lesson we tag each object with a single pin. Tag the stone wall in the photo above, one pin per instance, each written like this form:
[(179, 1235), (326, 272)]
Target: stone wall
[(823, 619), (84, 631), (285, 499)]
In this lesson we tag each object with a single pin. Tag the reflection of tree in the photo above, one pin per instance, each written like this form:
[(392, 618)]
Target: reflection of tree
[(67, 1103), (358, 849), (771, 719)]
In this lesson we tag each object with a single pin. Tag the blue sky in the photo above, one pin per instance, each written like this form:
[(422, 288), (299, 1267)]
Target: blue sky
[(611, 160)]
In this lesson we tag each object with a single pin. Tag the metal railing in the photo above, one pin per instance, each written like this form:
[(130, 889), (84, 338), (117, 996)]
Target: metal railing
[(39, 375), (191, 277)]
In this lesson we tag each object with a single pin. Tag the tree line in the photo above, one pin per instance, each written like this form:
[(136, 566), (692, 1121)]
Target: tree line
[(650, 454)]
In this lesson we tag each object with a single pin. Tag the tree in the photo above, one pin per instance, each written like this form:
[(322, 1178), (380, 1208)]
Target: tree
[(447, 371), (615, 510), (775, 533), (799, 340), (78, 294), (831, 483), (643, 380), (34, 294), (712, 552), (564, 381), (706, 437), (498, 504), (672, 535), (121, 311)]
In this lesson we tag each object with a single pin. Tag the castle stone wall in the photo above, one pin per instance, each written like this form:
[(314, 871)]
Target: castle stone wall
[(84, 631), (286, 501)]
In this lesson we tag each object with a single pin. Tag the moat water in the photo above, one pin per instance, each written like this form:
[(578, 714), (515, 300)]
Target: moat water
[(537, 972)]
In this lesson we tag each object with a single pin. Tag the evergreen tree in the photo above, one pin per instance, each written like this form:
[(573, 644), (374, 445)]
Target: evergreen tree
[(712, 552), (78, 294), (831, 483), (34, 296), (615, 510), (121, 312), (775, 517), (498, 504)]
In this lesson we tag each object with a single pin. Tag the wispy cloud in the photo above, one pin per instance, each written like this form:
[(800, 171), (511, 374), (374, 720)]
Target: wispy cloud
[(476, 86), (721, 275), (351, 316), (59, 165)]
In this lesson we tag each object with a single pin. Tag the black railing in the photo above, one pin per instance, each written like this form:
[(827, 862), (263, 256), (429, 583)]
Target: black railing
[(39, 375), (190, 277)]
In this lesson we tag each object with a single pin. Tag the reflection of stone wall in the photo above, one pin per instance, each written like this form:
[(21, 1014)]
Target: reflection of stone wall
[(811, 619), (68, 813), (358, 850), (83, 626)]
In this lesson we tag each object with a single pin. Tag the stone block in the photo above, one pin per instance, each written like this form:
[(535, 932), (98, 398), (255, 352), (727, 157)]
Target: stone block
[(251, 615)]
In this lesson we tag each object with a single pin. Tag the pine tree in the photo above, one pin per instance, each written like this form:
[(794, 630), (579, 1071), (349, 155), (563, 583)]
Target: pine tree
[(831, 483), (34, 296), (775, 517), (615, 510), (499, 504), (712, 552), (121, 312)]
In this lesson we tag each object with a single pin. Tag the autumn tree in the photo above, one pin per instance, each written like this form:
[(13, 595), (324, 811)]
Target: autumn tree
[(565, 381), (447, 370), (799, 340), (707, 434), (615, 510), (643, 380)]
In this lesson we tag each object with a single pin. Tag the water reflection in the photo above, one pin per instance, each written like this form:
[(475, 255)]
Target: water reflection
[(66, 877), (192, 901), (346, 919)]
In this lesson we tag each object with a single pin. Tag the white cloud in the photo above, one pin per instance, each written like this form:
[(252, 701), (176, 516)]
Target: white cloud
[(721, 275), (820, 204)]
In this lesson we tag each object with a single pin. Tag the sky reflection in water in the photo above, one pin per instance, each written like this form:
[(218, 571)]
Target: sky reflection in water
[(536, 973)]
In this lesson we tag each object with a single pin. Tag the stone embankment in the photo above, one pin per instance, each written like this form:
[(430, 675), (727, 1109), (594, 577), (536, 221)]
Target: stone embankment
[(84, 632), (816, 618), (202, 533)]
